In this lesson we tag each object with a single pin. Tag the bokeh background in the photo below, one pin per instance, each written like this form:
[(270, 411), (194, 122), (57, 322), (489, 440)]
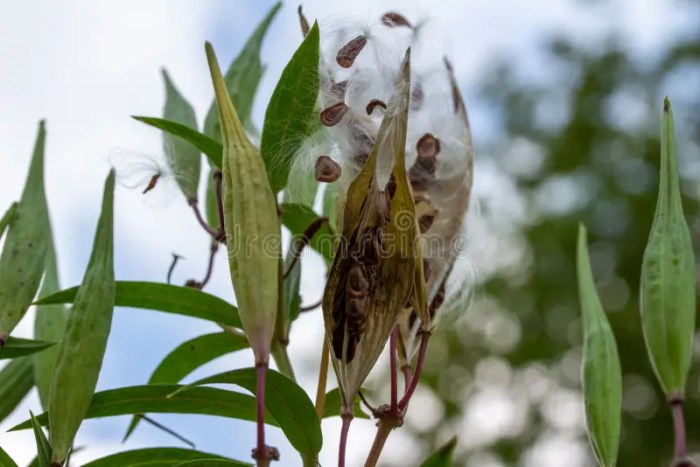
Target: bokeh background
[(565, 101)]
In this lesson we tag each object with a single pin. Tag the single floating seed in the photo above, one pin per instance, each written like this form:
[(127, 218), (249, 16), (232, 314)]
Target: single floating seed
[(393, 19), (349, 52), (327, 170), (151, 183), (373, 104), (303, 22), (331, 116)]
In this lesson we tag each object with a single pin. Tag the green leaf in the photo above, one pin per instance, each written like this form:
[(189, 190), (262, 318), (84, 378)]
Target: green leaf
[(443, 456), (183, 158), (16, 379), (82, 348), (8, 218), (6, 460), (185, 301), (49, 325), (212, 149), (153, 457), (189, 356), (43, 447), (242, 79), (667, 299), (330, 196), (292, 300), (333, 405), (161, 398), (287, 403), (297, 217), (24, 252), (602, 377), (291, 116), (212, 463), (18, 347)]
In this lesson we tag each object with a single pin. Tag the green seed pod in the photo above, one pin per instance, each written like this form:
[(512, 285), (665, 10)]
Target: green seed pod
[(667, 298), (250, 222), (23, 256), (7, 218), (183, 159), (49, 325), (373, 271), (83, 345), (602, 377)]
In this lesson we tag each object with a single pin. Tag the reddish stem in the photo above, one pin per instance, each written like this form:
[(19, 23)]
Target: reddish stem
[(406, 369), (260, 398), (198, 214), (680, 454), (394, 376), (347, 418), (416, 376)]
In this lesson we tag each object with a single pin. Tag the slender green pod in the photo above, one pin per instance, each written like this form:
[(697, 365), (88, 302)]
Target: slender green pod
[(602, 376), (16, 379), (250, 222), (667, 298), (23, 256), (49, 325), (83, 345), (183, 158), (7, 218)]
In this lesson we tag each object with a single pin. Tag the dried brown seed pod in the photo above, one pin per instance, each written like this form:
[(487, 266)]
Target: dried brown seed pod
[(327, 170), (358, 285), (303, 22), (349, 52), (393, 19), (331, 116), (373, 104)]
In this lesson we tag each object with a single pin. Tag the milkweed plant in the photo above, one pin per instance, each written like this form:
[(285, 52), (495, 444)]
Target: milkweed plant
[(384, 147)]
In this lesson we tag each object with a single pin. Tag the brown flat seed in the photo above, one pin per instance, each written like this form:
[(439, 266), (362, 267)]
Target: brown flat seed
[(422, 173), (327, 170), (339, 88), (426, 220), (373, 104), (349, 52), (303, 22), (331, 116), (428, 146), (393, 19)]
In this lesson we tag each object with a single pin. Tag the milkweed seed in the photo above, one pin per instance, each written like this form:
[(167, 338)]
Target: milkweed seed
[(331, 116), (327, 170), (426, 220), (393, 19), (303, 22), (349, 52), (373, 104)]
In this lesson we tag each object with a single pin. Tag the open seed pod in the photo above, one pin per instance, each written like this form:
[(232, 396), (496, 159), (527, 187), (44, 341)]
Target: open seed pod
[(373, 272)]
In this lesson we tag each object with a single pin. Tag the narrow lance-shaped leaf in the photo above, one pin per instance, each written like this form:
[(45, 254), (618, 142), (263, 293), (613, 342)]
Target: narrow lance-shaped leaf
[(443, 456), (83, 346), (7, 218), (189, 356), (251, 225), (602, 377), (6, 460), (153, 457), (212, 463), (183, 159), (287, 402), (16, 379), (43, 447), (212, 149), (242, 78), (372, 276), (668, 277), (166, 398), (24, 253), (290, 116), (49, 325), (185, 301), (19, 347)]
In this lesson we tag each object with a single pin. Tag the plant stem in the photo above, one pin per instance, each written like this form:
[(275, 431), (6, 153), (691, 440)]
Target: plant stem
[(262, 453), (322, 380), (279, 353), (425, 336), (384, 427), (680, 454), (198, 214), (406, 369), (346, 415), (394, 375)]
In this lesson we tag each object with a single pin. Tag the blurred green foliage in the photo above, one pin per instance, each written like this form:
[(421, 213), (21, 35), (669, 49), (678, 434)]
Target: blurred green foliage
[(571, 160)]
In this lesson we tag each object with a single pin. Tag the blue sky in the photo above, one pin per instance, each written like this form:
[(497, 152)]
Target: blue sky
[(86, 66)]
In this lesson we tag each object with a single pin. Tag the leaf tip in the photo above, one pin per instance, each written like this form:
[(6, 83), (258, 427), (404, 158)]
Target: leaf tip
[(667, 104)]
